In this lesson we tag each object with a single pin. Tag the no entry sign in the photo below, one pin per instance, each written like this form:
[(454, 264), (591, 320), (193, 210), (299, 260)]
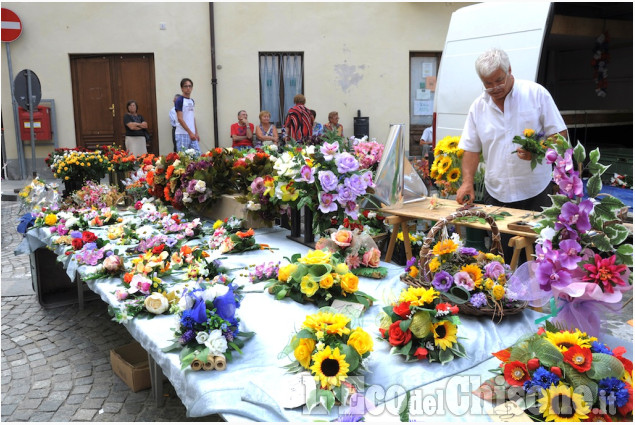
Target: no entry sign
[(11, 26)]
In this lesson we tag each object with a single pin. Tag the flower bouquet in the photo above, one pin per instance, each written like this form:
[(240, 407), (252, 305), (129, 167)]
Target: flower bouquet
[(208, 328), (96, 195), (357, 250), (144, 295), (77, 165), (260, 199), (567, 376), (367, 153), (533, 142), (229, 237), (136, 185), (475, 281), (247, 167), (368, 221), (582, 261), (446, 168), (333, 352), (420, 327), (121, 159), (319, 278), (197, 262)]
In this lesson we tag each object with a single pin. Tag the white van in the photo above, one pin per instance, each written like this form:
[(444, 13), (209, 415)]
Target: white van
[(552, 44)]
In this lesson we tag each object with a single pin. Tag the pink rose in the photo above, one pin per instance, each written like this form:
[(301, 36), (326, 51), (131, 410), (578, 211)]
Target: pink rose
[(342, 237), (138, 205), (113, 264), (371, 257)]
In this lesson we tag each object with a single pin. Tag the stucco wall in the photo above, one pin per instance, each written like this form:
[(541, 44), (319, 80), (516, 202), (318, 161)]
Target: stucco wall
[(356, 56)]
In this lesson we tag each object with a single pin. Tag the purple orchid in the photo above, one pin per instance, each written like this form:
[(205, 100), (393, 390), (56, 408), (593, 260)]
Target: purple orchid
[(552, 274), (329, 150), (569, 250), (307, 174), (551, 156), (351, 209), (368, 178), (328, 180), (565, 163), (327, 203), (571, 186), (575, 215)]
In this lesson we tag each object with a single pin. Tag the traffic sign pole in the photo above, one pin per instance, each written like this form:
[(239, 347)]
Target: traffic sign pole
[(31, 107), (16, 120)]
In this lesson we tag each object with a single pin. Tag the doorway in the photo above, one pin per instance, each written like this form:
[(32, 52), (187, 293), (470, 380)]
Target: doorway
[(102, 84)]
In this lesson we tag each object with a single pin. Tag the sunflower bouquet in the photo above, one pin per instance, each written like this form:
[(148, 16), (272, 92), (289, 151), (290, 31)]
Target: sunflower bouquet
[(333, 352), (446, 168), (319, 278), (471, 278), (420, 327), (567, 376), (208, 328)]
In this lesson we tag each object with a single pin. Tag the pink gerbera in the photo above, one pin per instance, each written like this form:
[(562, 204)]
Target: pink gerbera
[(606, 272), (353, 261)]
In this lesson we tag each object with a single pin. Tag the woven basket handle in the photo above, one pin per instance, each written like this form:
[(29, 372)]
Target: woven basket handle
[(426, 253)]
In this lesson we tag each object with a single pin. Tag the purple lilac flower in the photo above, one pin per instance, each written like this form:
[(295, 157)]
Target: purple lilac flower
[(328, 180), (571, 186), (307, 174), (464, 280), (494, 269), (466, 250), (258, 186), (552, 274), (351, 209), (569, 257), (344, 194), (478, 300), (356, 184), (442, 281), (575, 215), (346, 163), (327, 203), (329, 150)]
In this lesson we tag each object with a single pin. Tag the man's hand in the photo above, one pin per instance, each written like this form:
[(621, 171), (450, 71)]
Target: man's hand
[(465, 194), (523, 154)]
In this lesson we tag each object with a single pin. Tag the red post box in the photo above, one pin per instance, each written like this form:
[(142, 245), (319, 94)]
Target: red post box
[(41, 123)]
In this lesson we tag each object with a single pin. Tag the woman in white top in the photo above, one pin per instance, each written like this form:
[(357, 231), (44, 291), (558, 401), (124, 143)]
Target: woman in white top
[(266, 133)]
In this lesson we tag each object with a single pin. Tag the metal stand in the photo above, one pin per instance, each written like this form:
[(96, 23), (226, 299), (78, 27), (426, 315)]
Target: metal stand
[(156, 380), (302, 227)]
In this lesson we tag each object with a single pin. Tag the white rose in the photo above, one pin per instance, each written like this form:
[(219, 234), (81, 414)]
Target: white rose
[(216, 343), (176, 163), (186, 198), (71, 222), (310, 150), (201, 337), (186, 302), (252, 206), (372, 214), (156, 303), (200, 186)]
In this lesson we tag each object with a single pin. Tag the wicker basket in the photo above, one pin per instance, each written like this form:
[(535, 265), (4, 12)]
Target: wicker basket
[(426, 254)]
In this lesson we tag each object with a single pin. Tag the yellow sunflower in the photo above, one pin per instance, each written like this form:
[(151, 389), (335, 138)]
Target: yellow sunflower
[(565, 340), (445, 163), (332, 323), (329, 368), (444, 333), (454, 175), (418, 296), (440, 147), (561, 404), (444, 247), (474, 271), (452, 144)]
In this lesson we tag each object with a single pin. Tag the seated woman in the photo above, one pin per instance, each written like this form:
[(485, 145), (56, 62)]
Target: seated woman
[(266, 133), (334, 124), (317, 127)]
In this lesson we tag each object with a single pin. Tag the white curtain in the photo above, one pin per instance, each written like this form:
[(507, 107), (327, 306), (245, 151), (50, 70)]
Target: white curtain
[(292, 78), (270, 87)]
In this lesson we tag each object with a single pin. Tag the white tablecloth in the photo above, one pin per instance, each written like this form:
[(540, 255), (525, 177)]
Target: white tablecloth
[(249, 388)]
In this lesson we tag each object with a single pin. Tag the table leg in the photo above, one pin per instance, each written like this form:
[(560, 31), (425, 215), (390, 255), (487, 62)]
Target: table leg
[(156, 379), (518, 243), (395, 221), (406, 240), (80, 292)]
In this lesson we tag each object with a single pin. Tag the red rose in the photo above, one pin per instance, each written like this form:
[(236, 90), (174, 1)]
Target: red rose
[(382, 332), (77, 244), (396, 336), (421, 353), (556, 371), (88, 236), (158, 249), (402, 309), (533, 364)]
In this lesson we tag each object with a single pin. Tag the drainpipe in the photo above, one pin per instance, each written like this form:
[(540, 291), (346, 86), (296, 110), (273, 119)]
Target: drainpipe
[(214, 80)]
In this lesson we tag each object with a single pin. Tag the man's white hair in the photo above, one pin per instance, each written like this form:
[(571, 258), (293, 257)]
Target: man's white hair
[(490, 61)]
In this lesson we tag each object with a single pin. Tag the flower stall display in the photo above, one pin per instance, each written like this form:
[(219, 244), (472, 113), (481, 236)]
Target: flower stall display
[(357, 250), (419, 326), (319, 278), (582, 261), (208, 327), (333, 352), (567, 376), (477, 282), (535, 143), (78, 165), (229, 237), (446, 168)]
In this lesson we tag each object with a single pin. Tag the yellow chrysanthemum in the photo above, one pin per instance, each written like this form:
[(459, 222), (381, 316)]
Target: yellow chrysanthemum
[(217, 224), (331, 323), (434, 265), (454, 175), (444, 333), (329, 368), (565, 340), (444, 247), (562, 404), (418, 296), (474, 271), (498, 292), (308, 286)]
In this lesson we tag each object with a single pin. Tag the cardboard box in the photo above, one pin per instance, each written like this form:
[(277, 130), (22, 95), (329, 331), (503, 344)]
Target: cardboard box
[(130, 363), (228, 206)]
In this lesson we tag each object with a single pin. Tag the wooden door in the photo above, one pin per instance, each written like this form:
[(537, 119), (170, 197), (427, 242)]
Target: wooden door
[(102, 85)]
